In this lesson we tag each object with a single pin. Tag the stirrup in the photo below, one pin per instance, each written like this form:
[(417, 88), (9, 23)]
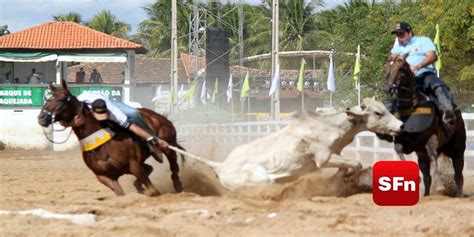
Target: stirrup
[(152, 140)]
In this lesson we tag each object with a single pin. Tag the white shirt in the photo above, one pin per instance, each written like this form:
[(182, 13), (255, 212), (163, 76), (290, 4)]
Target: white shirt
[(115, 114), (35, 79)]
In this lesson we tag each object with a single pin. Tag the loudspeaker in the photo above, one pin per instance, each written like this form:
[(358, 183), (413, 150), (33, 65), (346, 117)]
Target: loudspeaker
[(217, 55)]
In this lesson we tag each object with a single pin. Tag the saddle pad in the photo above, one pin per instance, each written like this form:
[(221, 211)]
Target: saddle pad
[(96, 139), (417, 119)]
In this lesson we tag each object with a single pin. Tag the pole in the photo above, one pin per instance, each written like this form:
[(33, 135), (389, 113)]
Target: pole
[(174, 59), (358, 79), (330, 99), (302, 99), (241, 53), (275, 61)]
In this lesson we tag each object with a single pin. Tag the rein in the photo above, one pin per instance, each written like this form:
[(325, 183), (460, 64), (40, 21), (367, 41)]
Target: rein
[(59, 130), (60, 110), (411, 99)]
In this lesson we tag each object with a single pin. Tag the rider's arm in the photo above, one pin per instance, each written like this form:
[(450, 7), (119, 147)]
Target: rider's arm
[(429, 49), (430, 58)]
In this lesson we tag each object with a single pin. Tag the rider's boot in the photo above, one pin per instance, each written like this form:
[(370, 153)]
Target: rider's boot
[(445, 99)]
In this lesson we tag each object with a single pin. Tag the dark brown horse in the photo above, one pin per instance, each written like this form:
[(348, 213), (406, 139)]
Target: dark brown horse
[(424, 132), (123, 153)]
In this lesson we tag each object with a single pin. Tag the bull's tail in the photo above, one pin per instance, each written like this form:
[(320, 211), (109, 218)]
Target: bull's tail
[(214, 165)]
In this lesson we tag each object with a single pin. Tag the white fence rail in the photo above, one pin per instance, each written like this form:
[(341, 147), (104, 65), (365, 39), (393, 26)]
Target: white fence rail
[(366, 147)]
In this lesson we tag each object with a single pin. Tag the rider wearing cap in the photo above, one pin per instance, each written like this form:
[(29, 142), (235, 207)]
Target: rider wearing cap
[(102, 108), (421, 57)]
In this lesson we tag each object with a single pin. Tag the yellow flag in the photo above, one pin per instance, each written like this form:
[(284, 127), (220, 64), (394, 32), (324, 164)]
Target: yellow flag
[(437, 44), (190, 93), (301, 76), (245, 87), (214, 93), (357, 66)]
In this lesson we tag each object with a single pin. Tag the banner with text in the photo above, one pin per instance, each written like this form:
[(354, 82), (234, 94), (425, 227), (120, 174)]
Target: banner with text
[(35, 96)]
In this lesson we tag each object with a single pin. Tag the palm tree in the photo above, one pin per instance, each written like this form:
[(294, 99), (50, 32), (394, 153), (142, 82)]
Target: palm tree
[(71, 16), (106, 22), (156, 30), (298, 26)]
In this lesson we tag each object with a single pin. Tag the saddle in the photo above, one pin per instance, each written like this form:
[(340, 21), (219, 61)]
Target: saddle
[(419, 118)]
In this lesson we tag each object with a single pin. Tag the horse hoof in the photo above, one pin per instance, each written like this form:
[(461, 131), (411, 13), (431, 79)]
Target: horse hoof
[(178, 188), (153, 193)]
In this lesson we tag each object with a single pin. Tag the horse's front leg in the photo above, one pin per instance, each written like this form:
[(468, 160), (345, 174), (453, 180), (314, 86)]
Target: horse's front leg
[(424, 164), (137, 184), (399, 150), (431, 149), (112, 184), (139, 172)]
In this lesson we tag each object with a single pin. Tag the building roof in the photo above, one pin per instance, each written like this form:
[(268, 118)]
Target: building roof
[(147, 70), (65, 36)]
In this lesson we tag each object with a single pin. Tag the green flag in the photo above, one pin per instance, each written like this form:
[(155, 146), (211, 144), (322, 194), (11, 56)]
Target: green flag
[(245, 87), (214, 93), (301, 76), (437, 44), (357, 67), (190, 93)]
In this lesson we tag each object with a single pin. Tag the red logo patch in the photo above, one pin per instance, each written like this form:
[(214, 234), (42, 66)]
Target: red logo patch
[(395, 183)]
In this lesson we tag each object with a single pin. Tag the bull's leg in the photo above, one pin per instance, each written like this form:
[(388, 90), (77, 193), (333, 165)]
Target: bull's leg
[(458, 165), (172, 160), (112, 184), (139, 172), (138, 185), (343, 163), (424, 164)]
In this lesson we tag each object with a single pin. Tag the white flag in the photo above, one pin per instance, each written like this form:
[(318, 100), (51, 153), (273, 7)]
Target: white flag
[(181, 94), (203, 93), (229, 89), (276, 81), (396, 42), (158, 95), (331, 83)]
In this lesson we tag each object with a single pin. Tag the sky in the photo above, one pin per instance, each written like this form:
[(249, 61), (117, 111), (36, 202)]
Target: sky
[(23, 14)]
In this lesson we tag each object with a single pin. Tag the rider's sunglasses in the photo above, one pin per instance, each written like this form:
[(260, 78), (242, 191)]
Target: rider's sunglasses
[(401, 34)]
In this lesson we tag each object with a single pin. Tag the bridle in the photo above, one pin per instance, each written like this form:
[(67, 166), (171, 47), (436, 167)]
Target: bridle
[(394, 88), (51, 116)]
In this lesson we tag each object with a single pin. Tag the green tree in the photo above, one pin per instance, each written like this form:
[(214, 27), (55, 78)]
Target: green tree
[(106, 22), (4, 30), (71, 16), (156, 30)]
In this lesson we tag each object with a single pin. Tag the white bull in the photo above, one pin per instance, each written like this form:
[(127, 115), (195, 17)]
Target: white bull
[(310, 141)]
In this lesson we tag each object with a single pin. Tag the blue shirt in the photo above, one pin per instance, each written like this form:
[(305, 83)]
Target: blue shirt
[(417, 48)]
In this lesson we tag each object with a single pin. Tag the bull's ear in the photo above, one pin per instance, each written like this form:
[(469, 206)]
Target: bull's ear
[(405, 56), (52, 88)]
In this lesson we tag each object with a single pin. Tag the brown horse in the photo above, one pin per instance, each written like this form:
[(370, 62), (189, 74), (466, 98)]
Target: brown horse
[(423, 132), (122, 153)]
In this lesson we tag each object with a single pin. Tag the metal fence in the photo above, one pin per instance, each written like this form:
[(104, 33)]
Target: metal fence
[(366, 147)]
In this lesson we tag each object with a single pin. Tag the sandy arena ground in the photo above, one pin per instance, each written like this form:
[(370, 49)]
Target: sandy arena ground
[(60, 182)]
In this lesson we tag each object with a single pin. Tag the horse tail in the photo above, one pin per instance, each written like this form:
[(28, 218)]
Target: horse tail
[(182, 155)]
